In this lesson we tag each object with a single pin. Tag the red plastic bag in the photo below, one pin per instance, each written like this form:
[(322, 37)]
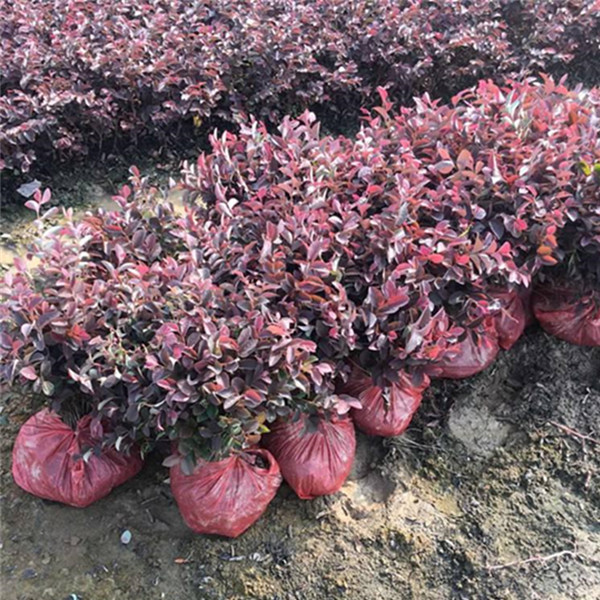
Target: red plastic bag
[(569, 314), (225, 497), (47, 462), (510, 320), (526, 295), (315, 455), (386, 411), (470, 356)]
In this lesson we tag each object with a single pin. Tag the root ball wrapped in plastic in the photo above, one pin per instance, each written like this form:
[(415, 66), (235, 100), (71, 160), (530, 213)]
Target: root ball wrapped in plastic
[(472, 355), (48, 461), (226, 497), (315, 453), (569, 314), (511, 319), (386, 409)]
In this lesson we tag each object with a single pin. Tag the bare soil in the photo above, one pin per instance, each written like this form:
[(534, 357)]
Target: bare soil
[(492, 494)]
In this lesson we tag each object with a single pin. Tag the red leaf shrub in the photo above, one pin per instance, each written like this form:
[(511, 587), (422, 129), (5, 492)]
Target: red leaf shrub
[(315, 454), (55, 462), (79, 76), (220, 367), (159, 350), (568, 313), (482, 176), (505, 162), (228, 496), (259, 221), (74, 304), (555, 37), (388, 408)]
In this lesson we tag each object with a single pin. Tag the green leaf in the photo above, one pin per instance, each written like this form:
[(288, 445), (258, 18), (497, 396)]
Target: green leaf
[(48, 388), (587, 170)]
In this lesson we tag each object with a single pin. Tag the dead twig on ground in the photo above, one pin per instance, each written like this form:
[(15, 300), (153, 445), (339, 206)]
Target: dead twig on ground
[(574, 433), (539, 558)]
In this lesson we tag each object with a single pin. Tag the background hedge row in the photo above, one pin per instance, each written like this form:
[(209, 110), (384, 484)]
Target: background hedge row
[(80, 76)]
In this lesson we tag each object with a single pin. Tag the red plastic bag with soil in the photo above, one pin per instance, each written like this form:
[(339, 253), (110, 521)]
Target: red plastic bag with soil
[(226, 497), (48, 462), (511, 319), (568, 314), (315, 455), (386, 411), (475, 353), (526, 296)]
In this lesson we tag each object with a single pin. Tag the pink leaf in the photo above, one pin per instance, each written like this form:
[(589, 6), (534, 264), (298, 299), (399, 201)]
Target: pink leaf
[(29, 373)]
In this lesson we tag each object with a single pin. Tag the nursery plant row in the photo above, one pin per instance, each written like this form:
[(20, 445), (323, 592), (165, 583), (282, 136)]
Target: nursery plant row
[(312, 283), (84, 76)]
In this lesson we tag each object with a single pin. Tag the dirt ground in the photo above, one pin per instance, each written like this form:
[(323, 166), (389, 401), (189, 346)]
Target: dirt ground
[(492, 494)]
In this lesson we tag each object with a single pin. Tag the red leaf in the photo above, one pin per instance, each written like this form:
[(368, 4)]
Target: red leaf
[(253, 395), (436, 258), (166, 384), (465, 160), (444, 167), (277, 330), (29, 373)]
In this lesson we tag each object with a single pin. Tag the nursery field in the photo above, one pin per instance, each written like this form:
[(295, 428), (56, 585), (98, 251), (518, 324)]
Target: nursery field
[(300, 299)]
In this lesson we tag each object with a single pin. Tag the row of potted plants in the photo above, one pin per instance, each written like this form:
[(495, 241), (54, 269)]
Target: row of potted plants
[(311, 283)]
